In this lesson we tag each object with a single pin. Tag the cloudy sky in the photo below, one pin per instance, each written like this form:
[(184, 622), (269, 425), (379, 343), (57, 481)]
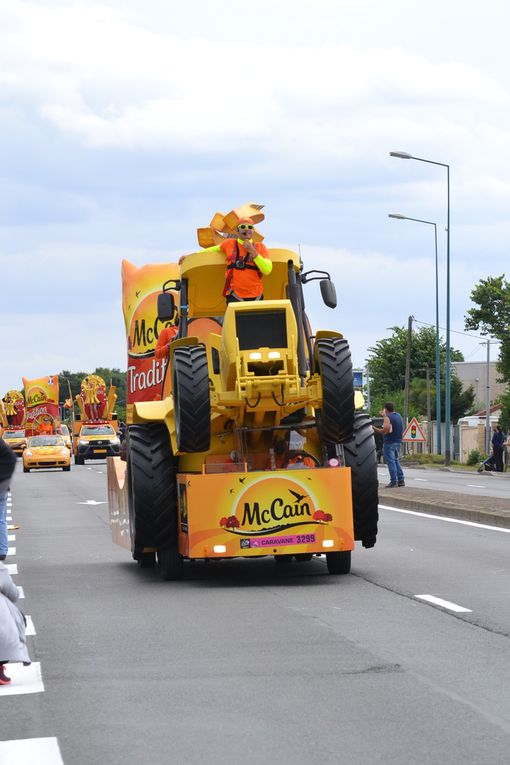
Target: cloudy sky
[(125, 125)]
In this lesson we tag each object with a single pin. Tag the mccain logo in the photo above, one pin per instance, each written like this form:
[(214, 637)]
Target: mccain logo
[(145, 327), (261, 509)]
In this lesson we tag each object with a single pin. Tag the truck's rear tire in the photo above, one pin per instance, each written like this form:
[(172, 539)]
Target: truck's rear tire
[(170, 563), (192, 402), (339, 562), (361, 456), (334, 364), (152, 492)]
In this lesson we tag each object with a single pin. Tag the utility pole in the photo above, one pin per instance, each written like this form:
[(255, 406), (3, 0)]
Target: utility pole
[(429, 414), (408, 372), (408, 368)]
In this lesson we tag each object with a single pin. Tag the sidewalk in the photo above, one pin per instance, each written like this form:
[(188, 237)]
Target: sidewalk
[(494, 511)]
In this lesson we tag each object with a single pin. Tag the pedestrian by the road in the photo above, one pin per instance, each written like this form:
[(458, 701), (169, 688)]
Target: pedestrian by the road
[(7, 465), (392, 432), (498, 446), (13, 647)]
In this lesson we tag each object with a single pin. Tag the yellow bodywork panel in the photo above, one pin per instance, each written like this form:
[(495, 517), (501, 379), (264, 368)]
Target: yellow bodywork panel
[(269, 512), (205, 272)]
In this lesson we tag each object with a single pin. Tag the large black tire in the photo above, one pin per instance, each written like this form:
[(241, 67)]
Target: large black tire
[(336, 416), (339, 562), (361, 456), (170, 563), (192, 402), (152, 491)]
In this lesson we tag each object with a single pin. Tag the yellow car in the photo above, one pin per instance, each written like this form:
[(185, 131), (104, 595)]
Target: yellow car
[(46, 452), (15, 438)]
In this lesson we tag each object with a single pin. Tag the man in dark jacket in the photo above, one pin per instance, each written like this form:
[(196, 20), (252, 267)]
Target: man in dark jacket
[(7, 465), (498, 447)]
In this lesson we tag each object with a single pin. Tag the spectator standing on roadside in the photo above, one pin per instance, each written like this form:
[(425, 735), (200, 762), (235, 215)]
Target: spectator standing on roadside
[(498, 446), (392, 432), (13, 645), (7, 465)]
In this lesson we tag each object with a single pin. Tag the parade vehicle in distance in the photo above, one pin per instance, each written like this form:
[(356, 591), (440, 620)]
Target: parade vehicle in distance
[(16, 439), (201, 478), (46, 451), (96, 440), (95, 426)]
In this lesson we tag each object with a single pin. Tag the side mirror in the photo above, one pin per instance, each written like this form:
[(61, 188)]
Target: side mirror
[(328, 293), (166, 306)]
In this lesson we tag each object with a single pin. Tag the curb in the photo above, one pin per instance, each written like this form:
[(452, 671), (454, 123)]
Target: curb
[(449, 510)]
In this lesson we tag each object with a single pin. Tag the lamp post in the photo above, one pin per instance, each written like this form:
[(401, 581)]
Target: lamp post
[(447, 402), (438, 367)]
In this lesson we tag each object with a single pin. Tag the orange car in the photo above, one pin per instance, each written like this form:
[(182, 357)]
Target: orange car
[(46, 452)]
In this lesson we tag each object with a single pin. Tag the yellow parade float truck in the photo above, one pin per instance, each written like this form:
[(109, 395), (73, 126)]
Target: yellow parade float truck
[(255, 447), (95, 426)]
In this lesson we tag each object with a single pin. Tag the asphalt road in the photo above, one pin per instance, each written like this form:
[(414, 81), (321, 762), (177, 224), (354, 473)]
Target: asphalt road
[(247, 662), (475, 484)]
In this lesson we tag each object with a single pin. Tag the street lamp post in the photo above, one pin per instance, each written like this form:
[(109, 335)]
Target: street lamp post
[(438, 359), (447, 402)]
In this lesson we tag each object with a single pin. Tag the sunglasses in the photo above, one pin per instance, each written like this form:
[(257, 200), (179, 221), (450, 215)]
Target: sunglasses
[(244, 226)]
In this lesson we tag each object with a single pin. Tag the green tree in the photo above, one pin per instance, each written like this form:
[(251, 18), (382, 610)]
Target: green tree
[(491, 316), (387, 374), (113, 376), (387, 362)]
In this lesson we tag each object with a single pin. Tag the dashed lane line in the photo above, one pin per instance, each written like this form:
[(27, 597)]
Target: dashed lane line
[(11, 537), (11, 551), (24, 680), (27, 751), (21, 592), (30, 629), (446, 520), (476, 486), (425, 480), (12, 569), (448, 605)]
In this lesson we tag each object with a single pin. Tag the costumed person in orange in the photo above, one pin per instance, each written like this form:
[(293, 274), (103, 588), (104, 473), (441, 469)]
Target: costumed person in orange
[(247, 263), (45, 428), (166, 336), (10, 411), (301, 460), (91, 399)]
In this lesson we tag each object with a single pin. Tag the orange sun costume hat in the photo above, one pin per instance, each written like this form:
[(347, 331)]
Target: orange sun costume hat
[(245, 220)]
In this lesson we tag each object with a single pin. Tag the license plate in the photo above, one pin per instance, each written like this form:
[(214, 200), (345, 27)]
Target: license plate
[(100, 451)]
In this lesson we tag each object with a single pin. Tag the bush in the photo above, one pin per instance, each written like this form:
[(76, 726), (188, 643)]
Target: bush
[(474, 457)]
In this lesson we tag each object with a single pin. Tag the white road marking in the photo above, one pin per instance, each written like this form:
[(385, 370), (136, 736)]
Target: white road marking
[(476, 486), (24, 680), (421, 479), (445, 604), (447, 520), (30, 630), (8, 517), (21, 592), (12, 569), (91, 502), (100, 472), (26, 751), (89, 468), (11, 537), (11, 551)]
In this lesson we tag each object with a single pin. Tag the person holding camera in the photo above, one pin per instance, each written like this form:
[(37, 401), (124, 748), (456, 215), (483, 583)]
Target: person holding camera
[(392, 432)]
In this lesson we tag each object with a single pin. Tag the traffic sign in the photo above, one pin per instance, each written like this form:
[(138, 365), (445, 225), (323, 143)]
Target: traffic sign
[(413, 433)]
